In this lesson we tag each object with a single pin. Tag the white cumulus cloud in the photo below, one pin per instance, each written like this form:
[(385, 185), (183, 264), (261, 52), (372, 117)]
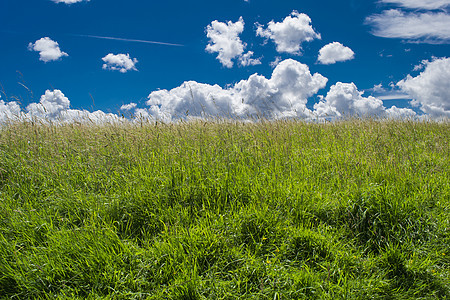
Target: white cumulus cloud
[(54, 106), (344, 99), (426, 27), (224, 39), (430, 88), (51, 104), (289, 34), (9, 111), (400, 113), (285, 94), (48, 49), (421, 4), (119, 62), (334, 52), (275, 63)]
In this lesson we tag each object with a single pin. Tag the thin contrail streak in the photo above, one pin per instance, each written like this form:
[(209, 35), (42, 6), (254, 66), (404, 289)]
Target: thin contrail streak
[(127, 40)]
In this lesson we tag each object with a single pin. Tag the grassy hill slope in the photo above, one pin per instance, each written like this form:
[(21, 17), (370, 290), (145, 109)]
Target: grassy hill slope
[(356, 209)]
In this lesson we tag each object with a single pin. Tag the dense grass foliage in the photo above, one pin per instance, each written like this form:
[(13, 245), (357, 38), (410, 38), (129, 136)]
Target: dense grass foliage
[(355, 209)]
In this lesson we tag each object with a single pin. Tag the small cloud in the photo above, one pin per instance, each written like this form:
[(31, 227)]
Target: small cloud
[(421, 65), (382, 54), (69, 1), (289, 34), (119, 62), (247, 60), (275, 63), (335, 52), (48, 49), (128, 107), (224, 39)]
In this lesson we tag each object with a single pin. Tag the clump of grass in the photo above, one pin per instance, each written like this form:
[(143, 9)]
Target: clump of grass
[(225, 210)]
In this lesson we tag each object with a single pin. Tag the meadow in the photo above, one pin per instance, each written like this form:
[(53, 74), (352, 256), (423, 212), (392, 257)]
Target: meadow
[(354, 209)]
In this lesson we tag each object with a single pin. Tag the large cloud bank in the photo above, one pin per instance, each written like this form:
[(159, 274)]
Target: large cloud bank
[(284, 95), (430, 89)]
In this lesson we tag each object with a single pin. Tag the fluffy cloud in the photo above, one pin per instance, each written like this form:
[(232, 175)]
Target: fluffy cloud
[(68, 1), (289, 34), (51, 104), (334, 52), (129, 106), (344, 99), (84, 116), (275, 63), (224, 39), (9, 111), (48, 49), (427, 27), (400, 113), (430, 88), (119, 62), (54, 106), (423, 4), (283, 95)]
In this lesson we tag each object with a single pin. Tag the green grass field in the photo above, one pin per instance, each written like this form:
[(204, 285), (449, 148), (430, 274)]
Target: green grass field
[(356, 209)]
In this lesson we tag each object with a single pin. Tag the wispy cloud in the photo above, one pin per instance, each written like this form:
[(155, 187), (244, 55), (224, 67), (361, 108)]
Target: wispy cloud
[(127, 40), (429, 27), (421, 4), (394, 97)]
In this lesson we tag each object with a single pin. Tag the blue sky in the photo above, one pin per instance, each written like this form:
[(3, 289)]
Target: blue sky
[(393, 50)]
